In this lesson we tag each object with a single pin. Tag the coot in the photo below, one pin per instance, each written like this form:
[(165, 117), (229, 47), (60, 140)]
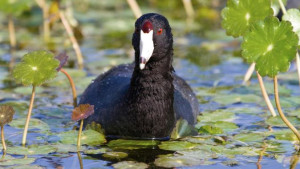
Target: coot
[(143, 99)]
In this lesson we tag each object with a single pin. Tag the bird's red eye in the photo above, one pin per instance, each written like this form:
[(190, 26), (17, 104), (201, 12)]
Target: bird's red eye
[(159, 31)]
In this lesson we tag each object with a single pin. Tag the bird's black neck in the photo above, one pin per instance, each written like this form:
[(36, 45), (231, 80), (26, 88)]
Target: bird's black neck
[(151, 96)]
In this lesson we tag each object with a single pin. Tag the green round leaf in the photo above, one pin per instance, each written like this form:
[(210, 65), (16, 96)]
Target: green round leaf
[(132, 144), (176, 145), (293, 15), (36, 68), (208, 129), (9, 160), (130, 165), (272, 45), (14, 7), (32, 149), (239, 15), (89, 137), (115, 155), (33, 124)]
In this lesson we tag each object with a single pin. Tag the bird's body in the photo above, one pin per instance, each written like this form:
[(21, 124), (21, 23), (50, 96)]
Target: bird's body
[(143, 99)]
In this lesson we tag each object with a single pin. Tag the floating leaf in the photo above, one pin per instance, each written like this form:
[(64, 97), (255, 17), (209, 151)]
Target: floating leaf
[(95, 151), (14, 7), (67, 148), (9, 160), (132, 144), (168, 161), (249, 137), (272, 45), (32, 150), (239, 15), (130, 165), (63, 58), (176, 145), (6, 114), (277, 121), (293, 15), (36, 68), (285, 135), (82, 111), (235, 98), (115, 155), (219, 126), (33, 124), (208, 129), (88, 137), (217, 115)]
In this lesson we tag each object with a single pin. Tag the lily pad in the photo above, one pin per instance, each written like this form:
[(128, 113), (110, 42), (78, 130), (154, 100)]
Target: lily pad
[(272, 45), (176, 145), (180, 161), (9, 160), (223, 125), (132, 144), (36, 68), (236, 98), (67, 148), (293, 15), (95, 151), (239, 15), (285, 135), (218, 115), (25, 90), (115, 155), (32, 150), (88, 137), (249, 137), (208, 129), (33, 124), (130, 165), (277, 121)]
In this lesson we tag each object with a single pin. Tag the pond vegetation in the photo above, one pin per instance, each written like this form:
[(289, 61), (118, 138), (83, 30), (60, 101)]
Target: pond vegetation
[(234, 128)]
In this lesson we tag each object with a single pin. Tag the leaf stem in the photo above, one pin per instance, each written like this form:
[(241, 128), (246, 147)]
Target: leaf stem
[(265, 94), (28, 116), (188, 6), (249, 73), (3, 139), (11, 29), (284, 119), (72, 86), (72, 39), (282, 6), (79, 134), (46, 26), (135, 8), (80, 160)]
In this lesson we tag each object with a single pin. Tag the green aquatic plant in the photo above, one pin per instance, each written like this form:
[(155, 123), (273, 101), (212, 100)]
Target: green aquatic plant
[(238, 17), (79, 113), (63, 58), (13, 9), (35, 68), (6, 116)]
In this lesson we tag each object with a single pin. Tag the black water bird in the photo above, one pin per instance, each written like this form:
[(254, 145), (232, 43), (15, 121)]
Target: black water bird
[(143, 99)]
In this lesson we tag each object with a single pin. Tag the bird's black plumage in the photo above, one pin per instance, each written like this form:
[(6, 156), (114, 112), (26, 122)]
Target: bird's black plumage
[(130, 102)]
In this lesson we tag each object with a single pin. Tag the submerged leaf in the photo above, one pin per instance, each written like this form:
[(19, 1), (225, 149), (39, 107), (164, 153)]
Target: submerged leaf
[(272, 45), (36, 68), (239, 15), (82, 111), (6, 114)]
